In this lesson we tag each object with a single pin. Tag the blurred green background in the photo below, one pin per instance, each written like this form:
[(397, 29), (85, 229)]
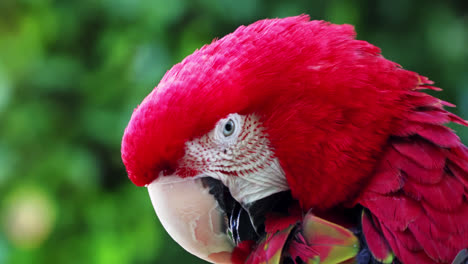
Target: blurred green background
[(72, 71)]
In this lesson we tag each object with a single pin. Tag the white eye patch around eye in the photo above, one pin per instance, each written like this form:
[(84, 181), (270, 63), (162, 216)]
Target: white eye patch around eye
[(238, 153)]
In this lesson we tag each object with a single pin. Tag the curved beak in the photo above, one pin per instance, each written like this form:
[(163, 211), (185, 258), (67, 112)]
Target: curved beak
[(192, 217)]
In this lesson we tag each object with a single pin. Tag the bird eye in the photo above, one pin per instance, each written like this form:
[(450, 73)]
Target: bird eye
[(228, 128)]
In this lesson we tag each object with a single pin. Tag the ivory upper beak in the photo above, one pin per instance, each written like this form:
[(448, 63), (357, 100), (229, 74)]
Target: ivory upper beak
[(192, 217)]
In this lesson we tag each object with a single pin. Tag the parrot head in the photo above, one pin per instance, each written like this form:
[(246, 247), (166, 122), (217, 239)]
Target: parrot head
[(250, 117)]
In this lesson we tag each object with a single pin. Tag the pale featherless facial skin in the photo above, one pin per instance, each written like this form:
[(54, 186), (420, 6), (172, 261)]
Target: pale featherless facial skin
[(239, 147)]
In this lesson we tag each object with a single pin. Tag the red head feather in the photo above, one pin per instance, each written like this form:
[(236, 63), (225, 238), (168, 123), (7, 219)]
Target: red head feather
[(327, 102)]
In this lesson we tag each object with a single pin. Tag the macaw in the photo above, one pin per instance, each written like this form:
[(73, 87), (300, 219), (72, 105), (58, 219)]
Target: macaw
[(289, 141)]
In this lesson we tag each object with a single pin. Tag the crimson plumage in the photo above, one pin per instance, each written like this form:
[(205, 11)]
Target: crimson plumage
[(347, 126)]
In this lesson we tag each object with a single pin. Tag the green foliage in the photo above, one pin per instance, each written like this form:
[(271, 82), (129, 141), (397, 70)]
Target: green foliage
[(71, 73)]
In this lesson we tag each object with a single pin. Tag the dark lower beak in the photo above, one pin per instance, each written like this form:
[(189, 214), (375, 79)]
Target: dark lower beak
[(247, 222)]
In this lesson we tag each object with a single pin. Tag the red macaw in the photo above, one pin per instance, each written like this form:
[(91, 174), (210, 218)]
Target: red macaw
[(289, 141)]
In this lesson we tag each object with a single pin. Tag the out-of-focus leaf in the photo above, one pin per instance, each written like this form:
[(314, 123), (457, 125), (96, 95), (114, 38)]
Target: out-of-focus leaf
[(150, 63), (21, 46), (8, 160), (55, 74), (102, 125), (29, 124), (194, 36), (5, 90), (447, 35), (238, 10), (346, 12)]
